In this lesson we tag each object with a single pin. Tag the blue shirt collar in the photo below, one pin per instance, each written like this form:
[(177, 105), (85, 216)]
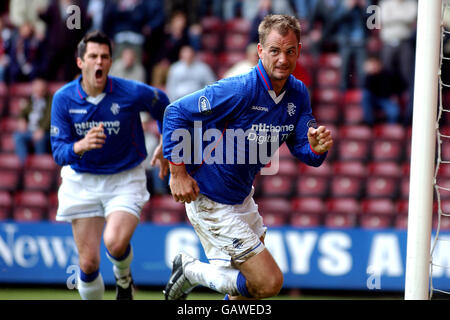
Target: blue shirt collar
[(262, 74), (83, 95)]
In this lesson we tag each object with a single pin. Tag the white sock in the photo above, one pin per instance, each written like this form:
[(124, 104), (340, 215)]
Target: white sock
[(220, 279), (92, 290), (121, 267)]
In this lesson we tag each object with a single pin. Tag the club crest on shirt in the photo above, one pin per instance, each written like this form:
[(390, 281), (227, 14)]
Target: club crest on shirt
[(203, 105), (291, 109), (115, 108)]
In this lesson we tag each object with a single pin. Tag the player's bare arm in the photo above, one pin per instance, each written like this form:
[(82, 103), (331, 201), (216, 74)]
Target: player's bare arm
[(183, 187), (94, 139), (320, 139), (159, 160)]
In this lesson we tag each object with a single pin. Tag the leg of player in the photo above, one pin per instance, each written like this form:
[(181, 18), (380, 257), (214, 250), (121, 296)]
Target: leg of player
[(257, 278), (119, 229), (263, 277), (87, 234)]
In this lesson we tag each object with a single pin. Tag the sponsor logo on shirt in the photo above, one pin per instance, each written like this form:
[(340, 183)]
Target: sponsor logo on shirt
[(110, 127), (78, 111), (258, 108)]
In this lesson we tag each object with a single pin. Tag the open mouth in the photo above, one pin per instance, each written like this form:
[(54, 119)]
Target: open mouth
[(98, 74)]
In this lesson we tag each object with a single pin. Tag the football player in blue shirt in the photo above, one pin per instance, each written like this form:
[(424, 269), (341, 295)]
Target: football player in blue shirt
[(270, 107), (97, 138)]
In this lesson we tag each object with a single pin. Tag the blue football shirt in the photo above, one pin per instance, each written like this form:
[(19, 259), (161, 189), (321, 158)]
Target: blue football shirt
[(225, 132), (118, 108)]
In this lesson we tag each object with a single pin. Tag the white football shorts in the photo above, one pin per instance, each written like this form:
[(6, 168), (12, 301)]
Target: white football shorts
[(85, 195), (230, 234)]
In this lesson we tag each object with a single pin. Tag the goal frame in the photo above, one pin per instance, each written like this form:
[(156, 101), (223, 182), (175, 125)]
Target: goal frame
[(423, 145)]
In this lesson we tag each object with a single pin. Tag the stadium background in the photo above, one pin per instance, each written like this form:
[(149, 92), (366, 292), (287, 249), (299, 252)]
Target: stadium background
[(335, 228)]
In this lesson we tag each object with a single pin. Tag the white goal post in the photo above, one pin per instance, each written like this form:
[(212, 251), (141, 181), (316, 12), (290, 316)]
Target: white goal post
[(420, 209)]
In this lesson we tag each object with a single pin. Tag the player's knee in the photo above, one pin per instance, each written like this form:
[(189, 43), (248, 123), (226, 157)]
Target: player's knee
[(115, 248), (267, 288), (89, 265)]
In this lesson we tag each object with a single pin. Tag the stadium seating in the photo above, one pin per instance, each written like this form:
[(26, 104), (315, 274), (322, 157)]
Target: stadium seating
[(401, 216), (277, 185), (387, 150), (161, 216), (327, 113), (210, 42), (8, 125), (235, 42), (353, 96), (163, 210), (312, 186), (326, 95), (352, 114), (52, 206), (238, 25), (330, 60), (39, 180), (346, 186), (211, 24), (381, 187), (377, 213), (10, 180), (6, 204), (395, 132), (305, 220), (30, 206), (350, 168), (341, 212), (353, 150), (328, 77), (7, 144), (307, 212)]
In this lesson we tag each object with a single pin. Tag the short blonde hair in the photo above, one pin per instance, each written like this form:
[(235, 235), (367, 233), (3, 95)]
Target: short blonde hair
[(279, 22)]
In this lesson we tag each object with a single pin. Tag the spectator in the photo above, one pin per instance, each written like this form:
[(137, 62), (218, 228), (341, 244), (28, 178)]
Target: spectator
[(175, 37), (379, 86), (264, 8), (250, 8), (304, 8), (95, 10), (398, 18), (320, 21), (187, 75), (25, 11), (130, 22), (5, 35), (25, 54), (60, 41), (246, 65), (348, 22), (128, 66), (34, 122)]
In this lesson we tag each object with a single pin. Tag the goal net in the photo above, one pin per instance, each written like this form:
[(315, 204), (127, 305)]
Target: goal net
[(441, 216)]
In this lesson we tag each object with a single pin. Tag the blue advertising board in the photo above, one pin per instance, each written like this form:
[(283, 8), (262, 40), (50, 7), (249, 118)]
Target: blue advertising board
[(318, 258)]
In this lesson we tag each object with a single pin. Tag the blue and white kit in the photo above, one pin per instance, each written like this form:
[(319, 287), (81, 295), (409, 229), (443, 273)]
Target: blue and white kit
[(74, 113), (245, 103)]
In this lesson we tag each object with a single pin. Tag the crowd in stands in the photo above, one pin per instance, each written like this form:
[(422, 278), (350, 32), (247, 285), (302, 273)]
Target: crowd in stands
[(359, 75)]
